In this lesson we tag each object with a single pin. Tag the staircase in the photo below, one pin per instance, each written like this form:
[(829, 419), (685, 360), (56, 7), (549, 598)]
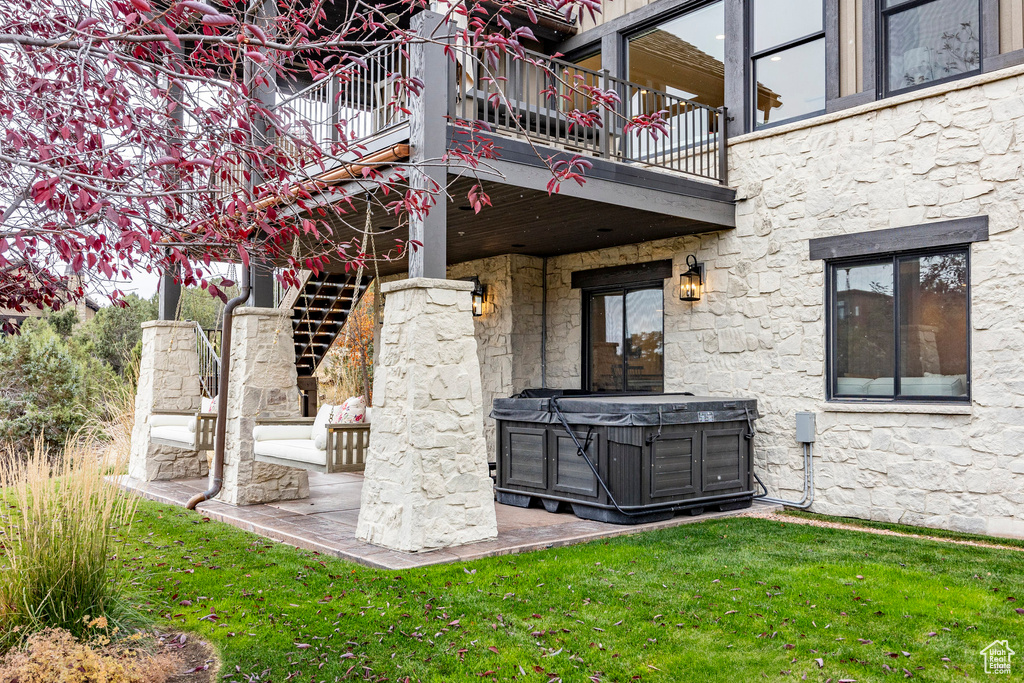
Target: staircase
[(319, 312)]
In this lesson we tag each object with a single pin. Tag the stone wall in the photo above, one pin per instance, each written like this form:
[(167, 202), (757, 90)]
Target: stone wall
[(948, 152), (426, 481), (262, 383)]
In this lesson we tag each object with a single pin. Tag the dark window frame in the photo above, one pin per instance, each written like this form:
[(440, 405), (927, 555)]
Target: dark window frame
[(831, 307), (750, 57), (881, 20), (586, 295)]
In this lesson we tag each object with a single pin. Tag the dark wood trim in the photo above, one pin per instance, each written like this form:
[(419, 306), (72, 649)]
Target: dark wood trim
[(631, 21), (262, 291), (737, 69), (925, 236), (1003, 61), (632, 274), (868, 44), (832, 48), (855, 100), (989, 33)]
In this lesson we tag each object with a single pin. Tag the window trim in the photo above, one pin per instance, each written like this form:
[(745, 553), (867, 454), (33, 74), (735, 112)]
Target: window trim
[(586, 295), (750, 57), (881, 19), (831, 309)]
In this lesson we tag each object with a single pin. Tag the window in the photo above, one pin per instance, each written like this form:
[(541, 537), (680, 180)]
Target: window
[(899, 327), (684, 56), (788, 55), (929, 41), (624, 339)]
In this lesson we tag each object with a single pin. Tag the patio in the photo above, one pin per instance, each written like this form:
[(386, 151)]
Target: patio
[(326, 522)]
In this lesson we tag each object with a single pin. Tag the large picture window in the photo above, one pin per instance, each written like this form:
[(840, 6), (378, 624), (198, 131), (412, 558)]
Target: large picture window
[(926, 41), (624, 340), (899, 327), (788, 55)]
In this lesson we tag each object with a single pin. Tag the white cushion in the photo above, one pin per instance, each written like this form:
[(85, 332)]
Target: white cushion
[(880, 387), (279, 432), (855, 386), (935, 385), (176, 420), (324, 417), (299, 450), (176, 433), (369, 412)]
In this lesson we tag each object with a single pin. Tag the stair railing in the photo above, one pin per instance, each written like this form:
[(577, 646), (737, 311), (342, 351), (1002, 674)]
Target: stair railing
[(209, 362)]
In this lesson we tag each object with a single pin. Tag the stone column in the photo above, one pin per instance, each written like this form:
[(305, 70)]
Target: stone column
[(168, 380), (262, 383), (426, 483)]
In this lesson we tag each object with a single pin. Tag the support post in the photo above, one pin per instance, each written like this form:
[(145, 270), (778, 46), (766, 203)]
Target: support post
[(169, 293), (428, 144), (426, 483), (262, 383), (736, 97), (262, 279), (168, 381)]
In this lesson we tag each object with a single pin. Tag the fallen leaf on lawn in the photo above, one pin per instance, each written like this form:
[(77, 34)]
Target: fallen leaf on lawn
[(820, 662), (302, 646), (493, 649)]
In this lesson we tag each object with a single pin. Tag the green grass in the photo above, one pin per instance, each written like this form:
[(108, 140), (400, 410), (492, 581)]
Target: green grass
[(723, 600), (912, 530)]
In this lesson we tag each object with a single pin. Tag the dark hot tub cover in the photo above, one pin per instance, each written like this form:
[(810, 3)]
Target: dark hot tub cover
[(619, 410)]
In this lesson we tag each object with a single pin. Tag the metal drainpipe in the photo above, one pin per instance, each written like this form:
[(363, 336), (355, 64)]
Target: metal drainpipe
[(544, 323), (217, 469)]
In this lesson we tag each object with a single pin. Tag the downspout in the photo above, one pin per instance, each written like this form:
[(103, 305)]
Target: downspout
[(544, 323), (217, 468)]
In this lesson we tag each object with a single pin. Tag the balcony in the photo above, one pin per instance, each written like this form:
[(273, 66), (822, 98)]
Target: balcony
[(527, 97), (655, 163)]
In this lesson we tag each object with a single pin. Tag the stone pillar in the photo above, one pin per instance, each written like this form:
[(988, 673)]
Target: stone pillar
[(168, 380), (426, 483), (262, 383)]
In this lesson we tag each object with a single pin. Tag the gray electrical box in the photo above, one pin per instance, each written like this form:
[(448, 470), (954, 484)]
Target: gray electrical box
[(805, 427)]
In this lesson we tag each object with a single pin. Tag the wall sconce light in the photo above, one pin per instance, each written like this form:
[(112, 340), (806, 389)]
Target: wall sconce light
[(478, 294), (691, 283)]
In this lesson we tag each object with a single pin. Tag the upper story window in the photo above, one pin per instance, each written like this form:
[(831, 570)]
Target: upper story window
[(683, 56), (788, 59), (926, 41), (899, 327)]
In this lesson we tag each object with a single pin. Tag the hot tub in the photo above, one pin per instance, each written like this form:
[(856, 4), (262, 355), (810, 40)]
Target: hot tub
[(654, 455)]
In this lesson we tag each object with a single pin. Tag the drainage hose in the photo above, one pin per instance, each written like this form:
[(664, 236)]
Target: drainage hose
[(217, 468)]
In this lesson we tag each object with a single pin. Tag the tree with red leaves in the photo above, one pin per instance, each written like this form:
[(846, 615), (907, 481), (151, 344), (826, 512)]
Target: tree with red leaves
[(138, 134)]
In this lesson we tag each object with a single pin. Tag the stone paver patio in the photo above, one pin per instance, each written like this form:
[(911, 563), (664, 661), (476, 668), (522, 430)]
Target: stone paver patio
[(326, 523)]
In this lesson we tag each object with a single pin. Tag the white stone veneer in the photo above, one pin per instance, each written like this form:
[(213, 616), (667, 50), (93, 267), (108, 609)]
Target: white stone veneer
[(168, 380), (760, 329), (262, 384), (426, 482)]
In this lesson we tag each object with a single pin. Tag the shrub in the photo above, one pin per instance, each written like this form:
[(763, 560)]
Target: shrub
[(58, 520), (48, 386), (114, 333), (56, 656)]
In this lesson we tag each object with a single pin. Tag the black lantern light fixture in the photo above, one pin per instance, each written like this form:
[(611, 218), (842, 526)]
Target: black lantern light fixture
[(478, 295), (691, 283)]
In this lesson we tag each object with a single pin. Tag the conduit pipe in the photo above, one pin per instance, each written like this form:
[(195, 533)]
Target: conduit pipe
[(805, 434), (217, 468), (808, 495)]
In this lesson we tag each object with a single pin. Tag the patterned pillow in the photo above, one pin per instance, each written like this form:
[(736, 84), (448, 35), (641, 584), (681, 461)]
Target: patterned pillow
[(352, 411), (208, 405)]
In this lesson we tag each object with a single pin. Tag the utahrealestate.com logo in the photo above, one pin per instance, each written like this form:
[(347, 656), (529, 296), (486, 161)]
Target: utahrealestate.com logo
[(997, 657)]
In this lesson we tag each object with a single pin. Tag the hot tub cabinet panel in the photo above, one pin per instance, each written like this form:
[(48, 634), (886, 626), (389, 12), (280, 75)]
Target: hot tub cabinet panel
[(656, 454)]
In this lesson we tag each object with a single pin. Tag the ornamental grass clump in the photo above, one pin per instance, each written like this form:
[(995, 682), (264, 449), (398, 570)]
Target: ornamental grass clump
[(59, 521)]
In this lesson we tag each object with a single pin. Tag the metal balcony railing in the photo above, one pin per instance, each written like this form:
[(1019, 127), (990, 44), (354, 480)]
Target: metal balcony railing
[(548, 100), (554, 102)]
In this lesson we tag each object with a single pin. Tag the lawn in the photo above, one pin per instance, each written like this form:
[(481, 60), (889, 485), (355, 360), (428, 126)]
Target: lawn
[(724, 600)]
